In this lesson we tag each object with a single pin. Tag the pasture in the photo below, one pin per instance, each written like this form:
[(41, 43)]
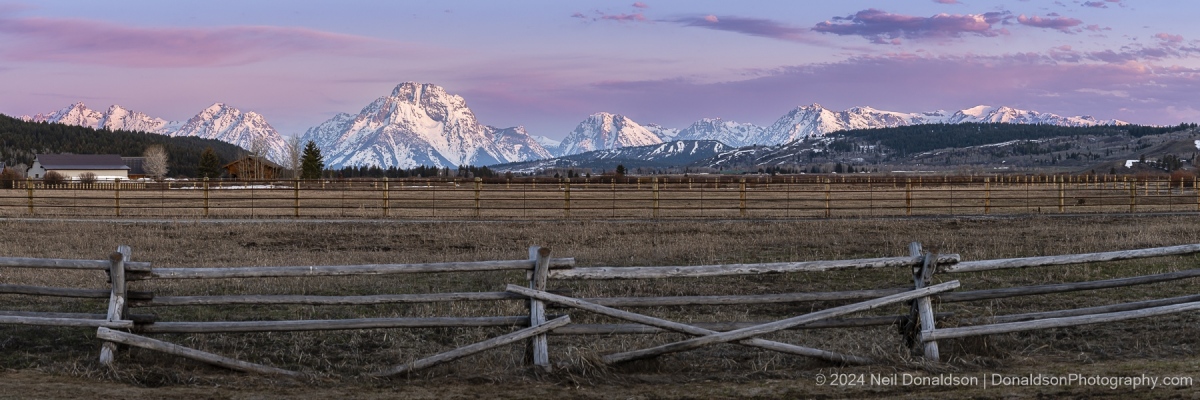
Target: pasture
[(1164, 346)]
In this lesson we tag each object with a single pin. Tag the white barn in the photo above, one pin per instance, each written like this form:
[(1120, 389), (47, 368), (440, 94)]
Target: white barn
[(71, 166)]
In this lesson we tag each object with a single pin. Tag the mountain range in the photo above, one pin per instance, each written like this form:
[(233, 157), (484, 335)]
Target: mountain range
[(423, 124), (248, 130)]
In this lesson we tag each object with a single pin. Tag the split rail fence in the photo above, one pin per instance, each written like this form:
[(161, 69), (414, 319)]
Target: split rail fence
[(122, 324), (588, 198)]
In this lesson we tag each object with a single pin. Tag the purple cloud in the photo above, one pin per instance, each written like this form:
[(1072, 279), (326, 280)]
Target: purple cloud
[(749, 26), (1169, 38), (640, 5), (1095, 4), (884, 27), (93, 42), (946, 1), (1060, 23), (634, 17)]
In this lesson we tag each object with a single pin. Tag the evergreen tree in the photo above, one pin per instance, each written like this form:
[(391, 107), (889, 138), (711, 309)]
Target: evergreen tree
[(210, 164), (621, 170), (311, 163)]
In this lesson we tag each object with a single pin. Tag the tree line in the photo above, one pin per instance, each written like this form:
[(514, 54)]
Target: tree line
[(912, 139)]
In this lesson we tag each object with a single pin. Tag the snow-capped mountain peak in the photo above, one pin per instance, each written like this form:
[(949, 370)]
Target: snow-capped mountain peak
[(419, 124), (605, 130)]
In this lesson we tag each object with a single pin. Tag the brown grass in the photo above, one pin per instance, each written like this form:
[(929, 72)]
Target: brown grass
[(339, 358)]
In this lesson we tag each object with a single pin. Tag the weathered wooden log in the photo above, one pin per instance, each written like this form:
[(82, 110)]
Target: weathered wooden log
[(343, 270), (1066, 287), (136, 318), (330, 324), (925, 306), (740, 269), (326, 300), (950, 333), (55, 263), (987, 265), (69, 292), (633, 329), (537, 310), (685, 328), (477, 347), (777, 325), (79, 322), (186, 352), (1136, 305), (742, 299), (116, 302)]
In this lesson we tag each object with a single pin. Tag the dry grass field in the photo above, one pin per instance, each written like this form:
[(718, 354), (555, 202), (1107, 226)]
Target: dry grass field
[(61, 362)]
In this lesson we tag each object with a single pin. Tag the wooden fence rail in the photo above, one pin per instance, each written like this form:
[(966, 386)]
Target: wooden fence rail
[(121, 324), (631, 197)]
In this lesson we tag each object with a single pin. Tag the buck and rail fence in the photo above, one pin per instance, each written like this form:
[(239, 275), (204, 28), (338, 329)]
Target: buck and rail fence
[(696, 196), (536, 311)]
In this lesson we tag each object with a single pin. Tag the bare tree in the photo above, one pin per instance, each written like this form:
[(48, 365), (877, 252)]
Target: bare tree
[(295, 148), (155, 164)]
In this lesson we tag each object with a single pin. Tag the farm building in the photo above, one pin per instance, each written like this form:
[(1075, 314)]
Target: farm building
[(71, 166), (250, 167), (136, 166)]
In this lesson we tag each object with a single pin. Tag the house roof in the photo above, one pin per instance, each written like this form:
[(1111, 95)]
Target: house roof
[(81, 161), (260, 160)]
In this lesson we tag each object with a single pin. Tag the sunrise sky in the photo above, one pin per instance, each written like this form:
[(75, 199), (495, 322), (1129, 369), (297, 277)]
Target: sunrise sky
[(549, 64)]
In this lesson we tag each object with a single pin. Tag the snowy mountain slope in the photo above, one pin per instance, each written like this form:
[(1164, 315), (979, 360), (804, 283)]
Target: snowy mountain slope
[(248, 130), (219, 121), (815, 121), (677, 153), (419, 124), (115, 118), (731, 133), (603, 131)]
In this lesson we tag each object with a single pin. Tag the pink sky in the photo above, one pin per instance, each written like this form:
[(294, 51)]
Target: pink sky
[(548, 64)]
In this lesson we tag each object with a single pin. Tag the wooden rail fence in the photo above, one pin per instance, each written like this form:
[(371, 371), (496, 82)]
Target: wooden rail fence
[(798, 196), (121, 324)]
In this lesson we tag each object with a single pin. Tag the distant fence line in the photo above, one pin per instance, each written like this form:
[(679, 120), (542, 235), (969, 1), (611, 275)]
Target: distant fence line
[(701, 196)]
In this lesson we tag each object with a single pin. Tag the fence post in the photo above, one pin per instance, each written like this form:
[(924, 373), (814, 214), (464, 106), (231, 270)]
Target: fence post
[(922, 308), (296, 197), (987, 196), (827, 198), (1061, 194), (387, 204), (478, 187), (654, 181), (117, 194), (742, 201), (116, 301), (538, 345), (908, 196), (1133, 195), (567, 198), (206, 197), (29, 189)]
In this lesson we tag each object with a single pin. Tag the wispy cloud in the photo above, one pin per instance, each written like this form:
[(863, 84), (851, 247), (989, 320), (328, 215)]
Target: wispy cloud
[(83, 41), (640, 5), (749, 26), (946, 1), (888, 28), (1063, 24), (1101, 3)]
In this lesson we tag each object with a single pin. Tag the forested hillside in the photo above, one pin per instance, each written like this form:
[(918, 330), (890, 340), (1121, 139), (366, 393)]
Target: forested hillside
[(919, 138), (20, 140)]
